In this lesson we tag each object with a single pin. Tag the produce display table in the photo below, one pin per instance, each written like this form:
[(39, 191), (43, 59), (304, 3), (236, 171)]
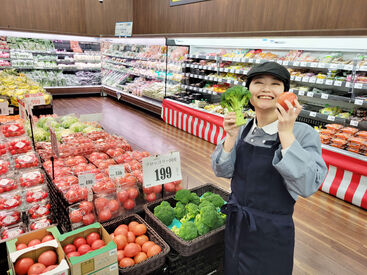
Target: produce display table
[(198, 122), (347, 172)]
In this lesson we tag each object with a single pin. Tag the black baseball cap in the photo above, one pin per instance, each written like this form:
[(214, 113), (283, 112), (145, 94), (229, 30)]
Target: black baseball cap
[(273, 69)]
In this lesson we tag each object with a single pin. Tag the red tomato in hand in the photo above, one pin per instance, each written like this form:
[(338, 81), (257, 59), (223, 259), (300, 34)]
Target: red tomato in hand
[(286, 96)]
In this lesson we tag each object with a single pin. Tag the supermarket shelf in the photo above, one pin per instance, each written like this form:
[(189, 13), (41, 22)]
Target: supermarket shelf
[(344, 152), (151, 105), (131, 57), (74, 90), (4, 50), (212, 68), (6, 67), (200, 90), (327, 83), (195, 108), (5, 59), (357, 102), (33, 51), (232, 82)]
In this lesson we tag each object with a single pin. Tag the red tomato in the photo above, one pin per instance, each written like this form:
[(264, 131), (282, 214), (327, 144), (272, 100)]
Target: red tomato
[(120, 241), (157, 189), (131, 250), (100, 203), (154, 250), (34, 242), (84, 248), (73, 254), (79, 241), (87, 206), (146, 246), (148, 190), (130, 237), (69, 248), (129, 204), (178, 187), (133, 193), (151, 197), (47, 238), (75, 216), (132, 225), (88, 219), (37, 268), (22, 266), (120, 255), (93, 237), (140, 257), (97, 244), (21, 246), (291, 97), (121, 230), (125, 262), (49, 268), (169, 187), (47, 258), (104, 215), (113, 205), (139, 229), (141, 240), (123, 195)]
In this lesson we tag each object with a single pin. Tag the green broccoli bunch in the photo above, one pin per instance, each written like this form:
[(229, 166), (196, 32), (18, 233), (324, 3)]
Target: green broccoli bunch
[(180, 210), (187, 231), (164, 212), (191, 211), (213, 198), (234, 99)]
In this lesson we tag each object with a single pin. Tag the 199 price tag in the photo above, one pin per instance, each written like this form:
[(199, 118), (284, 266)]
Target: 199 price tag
[(161, 169)]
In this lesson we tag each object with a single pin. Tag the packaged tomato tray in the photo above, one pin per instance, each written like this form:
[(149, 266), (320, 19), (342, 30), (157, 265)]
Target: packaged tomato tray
[(4, 165), (85, 168), (103, 184), (107, 206), (13, 231), (64, 182), (73, 161), (31, 177), (115, 152), (39, 223), (127, 192), (8, 183), (93, 157), (8, 218), (12, 130), (81, 214), (104, 163), (152, 193), (75, 193), (171, 188), (36, 194), (19, 146), (26, 161), (10, 200), (2, 149), (39, 209)]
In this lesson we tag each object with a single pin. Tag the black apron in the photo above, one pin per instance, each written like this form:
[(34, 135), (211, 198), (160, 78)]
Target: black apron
[(259, 234)]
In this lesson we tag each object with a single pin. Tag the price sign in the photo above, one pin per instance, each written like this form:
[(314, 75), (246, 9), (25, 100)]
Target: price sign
[(358, 85), (161, 169), (331, 118), (4, 108), (22, 112), (91, 117), (31, 100), (324, 96), (312, 80), (347, 84), (285, 63), (312, 114), (301, 92), (305, 79), (116, 171), (235, 82), (292, 77), (338, 83), (291, 90), (86, 180), (358, 101), (310, 94), (304, 64), (334, 66), (232, 70), (298, 78), (238, 71), (54, 144), (348, 67), (354, 123), (329, 82), (251, 60), (321, 65), (314, 64), (258, 60), (320, 81), (295, 63), (363, 68)]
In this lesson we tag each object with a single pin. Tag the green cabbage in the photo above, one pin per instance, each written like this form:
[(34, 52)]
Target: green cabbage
[(67, 121), (77, 127)]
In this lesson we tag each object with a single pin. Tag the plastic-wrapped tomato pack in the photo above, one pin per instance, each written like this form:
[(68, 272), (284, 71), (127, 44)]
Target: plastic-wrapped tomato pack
[(325, 139), (81, 214), (103, 185), (115, 152), (12, 231), (73, 161), (39, 210), (4, 165), (8, 218), (339, 143), (127, 193), (36, 194), (19, 146), (2, 149), (8, 183), (344, 136), (152, 193), (349, 130), (26, 161), (85, 168), (362, 134), (107, 206), (63, 183), (32, 177), (10, 200), (172, 187), (104, 163), (328, 132), (39, 223), (335, 127), (75, 193), (97, 135), (12, 130), (97, 156)]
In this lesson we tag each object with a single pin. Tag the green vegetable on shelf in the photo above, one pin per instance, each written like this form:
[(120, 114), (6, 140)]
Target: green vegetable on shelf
[(187, 231), (183, 196), (164, 212), (180, 210)]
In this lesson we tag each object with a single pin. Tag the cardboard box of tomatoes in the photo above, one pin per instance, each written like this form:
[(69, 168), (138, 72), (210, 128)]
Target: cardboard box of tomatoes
[(87, 256), (47, 258)]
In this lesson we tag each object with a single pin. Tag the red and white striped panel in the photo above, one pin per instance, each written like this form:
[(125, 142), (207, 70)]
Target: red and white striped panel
[(346, 185), (195, 122)]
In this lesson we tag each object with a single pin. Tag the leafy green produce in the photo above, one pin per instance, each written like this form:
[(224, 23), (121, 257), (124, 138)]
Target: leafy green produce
[(213, 198), (234, 99), (90, 129), (208, 216), (183, 196), (180, 210), (61, 132), (195, 198), (77, 127), (164, 212), (202, 227), (191, 211), (187, 231), (68, 120)]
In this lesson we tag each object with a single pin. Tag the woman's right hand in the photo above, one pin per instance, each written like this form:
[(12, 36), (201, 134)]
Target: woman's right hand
[(229, 125)]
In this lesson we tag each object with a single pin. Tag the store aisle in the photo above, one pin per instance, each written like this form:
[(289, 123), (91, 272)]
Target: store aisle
[(331, 235)]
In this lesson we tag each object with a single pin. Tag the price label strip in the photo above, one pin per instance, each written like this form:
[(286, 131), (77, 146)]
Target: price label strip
[(161, 169), (116, 171), (4, 108), (86, 180)]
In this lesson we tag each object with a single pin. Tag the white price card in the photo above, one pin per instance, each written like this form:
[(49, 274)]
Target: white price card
[(321, 65), (338, 83), (348, 67), (304, 64), (292, 77), (285, 63), (4, 108), (320, 81), (295, 63), (298, 78), (215, 93), (301, 92), (238, 71), (347, 84), (354, 123), (331, 118), (363, 68), (280, 62), (334, 66), (161, 169), (312, 80), (235, 82), (91, 117), (310, 94), (291, 90), (312, 114), (232, 70), (329, 82), (358, 101), (258, 60), (314, 64), (358, 85), (324, 96), (86, 180), (116, 171), (305, 79)]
